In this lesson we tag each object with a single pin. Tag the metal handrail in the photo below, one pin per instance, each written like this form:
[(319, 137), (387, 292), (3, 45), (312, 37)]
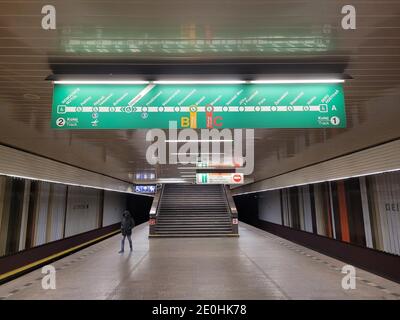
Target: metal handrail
[(156, 202), (231, 202), (226, 200)]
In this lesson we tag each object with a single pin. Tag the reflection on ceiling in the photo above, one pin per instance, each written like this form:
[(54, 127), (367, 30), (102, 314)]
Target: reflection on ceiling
[(195, 41)]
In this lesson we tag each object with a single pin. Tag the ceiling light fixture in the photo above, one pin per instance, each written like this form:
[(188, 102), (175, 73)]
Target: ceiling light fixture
[(180, 140), (277, 81), (171, 180), (183, 82), (199, 81), (194, 154), (101, 82)]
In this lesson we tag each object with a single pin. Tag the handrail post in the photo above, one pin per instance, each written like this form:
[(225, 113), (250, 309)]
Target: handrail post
[(154, 211)]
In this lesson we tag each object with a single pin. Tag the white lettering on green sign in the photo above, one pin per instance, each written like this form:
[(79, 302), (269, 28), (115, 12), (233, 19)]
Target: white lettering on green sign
[(114, 106)]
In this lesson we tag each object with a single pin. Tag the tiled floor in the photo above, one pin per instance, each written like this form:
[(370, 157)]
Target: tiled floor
[(257, 265)]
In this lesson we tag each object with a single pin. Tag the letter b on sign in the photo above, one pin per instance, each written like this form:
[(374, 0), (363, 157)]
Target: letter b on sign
[(185, 122)]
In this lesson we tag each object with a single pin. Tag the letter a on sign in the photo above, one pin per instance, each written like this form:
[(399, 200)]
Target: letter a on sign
[(49, 20), (349, 20), (49, 280), (349, 280)]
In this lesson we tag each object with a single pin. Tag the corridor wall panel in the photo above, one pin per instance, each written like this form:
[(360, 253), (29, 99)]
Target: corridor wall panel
[(57, 208), (34, 213), (42, 208), (83, 210), (366, 213), (24, 215), (307, 210), (269, 206), (363, 211), (5, 194), (384, 192), (114, 206)]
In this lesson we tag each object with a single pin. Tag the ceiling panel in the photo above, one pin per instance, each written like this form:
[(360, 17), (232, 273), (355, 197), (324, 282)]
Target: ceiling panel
[(158, 37)]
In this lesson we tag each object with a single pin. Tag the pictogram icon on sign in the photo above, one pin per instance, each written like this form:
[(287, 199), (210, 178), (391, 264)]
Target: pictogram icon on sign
[(237, 178), (60, 122)]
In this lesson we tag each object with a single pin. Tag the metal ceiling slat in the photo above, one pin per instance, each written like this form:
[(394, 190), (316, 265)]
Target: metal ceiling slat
[(382, 158), (370, 54), (21, 164)]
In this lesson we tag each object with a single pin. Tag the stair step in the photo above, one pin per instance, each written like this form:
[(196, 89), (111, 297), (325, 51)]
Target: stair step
[(192, 226), (193, 235), (193, 211), (202, 216), (192, 230), (193, 220)]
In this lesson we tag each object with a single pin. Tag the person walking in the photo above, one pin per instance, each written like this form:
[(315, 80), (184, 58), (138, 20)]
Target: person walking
[(127, 225)]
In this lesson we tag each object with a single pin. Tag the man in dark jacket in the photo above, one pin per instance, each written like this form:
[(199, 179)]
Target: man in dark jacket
[(127, 225)]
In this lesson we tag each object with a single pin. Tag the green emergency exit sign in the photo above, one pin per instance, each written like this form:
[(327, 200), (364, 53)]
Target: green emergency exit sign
[(133, 106)]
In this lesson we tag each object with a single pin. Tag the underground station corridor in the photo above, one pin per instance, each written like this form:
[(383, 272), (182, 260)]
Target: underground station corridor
[(258, 265), (213, 156)]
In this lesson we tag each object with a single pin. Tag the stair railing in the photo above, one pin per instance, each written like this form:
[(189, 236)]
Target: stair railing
[(232, 209), (154, 210)]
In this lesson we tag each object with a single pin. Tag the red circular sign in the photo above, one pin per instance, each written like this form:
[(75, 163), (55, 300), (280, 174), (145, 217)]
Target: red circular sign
[(237, 177)]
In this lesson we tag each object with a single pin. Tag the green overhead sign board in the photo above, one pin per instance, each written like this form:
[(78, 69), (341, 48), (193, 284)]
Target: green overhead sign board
[(133, 106)]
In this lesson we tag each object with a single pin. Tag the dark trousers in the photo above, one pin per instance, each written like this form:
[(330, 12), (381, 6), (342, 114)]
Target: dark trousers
[(123, 241)]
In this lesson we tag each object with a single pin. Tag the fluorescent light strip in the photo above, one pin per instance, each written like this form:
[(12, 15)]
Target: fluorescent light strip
[(194, 154), (69, 184), (171, 180), (199, 81), (266, 81), (177, 141), (183, 154), (297, 81), (101, 82)]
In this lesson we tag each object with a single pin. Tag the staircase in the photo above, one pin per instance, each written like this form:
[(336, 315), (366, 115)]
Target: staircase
[(187, 210)]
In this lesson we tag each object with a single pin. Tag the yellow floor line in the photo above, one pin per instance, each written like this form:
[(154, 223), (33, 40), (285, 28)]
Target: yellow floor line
[(38, 262)]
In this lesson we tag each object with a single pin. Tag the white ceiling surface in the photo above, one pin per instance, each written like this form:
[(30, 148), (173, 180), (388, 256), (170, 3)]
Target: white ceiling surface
[(372, 52), (21, 164)]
